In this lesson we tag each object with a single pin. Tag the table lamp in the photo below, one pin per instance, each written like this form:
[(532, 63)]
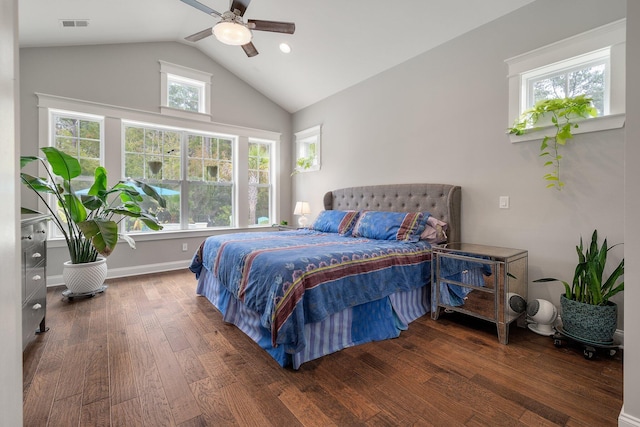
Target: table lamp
[(302, 209)]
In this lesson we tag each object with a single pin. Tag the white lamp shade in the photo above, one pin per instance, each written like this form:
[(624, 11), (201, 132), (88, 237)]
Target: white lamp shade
[(232, 33), (302, 208)]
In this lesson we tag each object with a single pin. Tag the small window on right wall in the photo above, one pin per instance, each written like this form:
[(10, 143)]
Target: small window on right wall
[(308, 150), (591, 64)]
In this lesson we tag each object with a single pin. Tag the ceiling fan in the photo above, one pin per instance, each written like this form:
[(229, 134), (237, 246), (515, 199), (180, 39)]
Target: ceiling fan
[(233, 30)]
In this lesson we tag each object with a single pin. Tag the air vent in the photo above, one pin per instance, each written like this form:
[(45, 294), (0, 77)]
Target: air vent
[(69, 23)]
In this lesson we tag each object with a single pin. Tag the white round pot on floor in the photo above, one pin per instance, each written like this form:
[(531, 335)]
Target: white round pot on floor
[(85, 277)]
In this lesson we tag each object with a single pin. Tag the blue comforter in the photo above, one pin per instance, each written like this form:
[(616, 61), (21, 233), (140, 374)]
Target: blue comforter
[(295, 277)]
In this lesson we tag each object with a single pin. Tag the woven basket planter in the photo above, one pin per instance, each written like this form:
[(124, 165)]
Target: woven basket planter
[(588, 322)]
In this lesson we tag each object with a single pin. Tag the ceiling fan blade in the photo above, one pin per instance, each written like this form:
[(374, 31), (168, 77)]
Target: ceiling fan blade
[(273, 26), (239, 5), (199, 35), (202, 7), (250, 49)]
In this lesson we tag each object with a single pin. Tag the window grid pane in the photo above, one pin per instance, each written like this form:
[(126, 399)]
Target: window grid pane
[(210, 205), (80, 138), (184, 96), (259, 169), (586, 79), (209, 159)]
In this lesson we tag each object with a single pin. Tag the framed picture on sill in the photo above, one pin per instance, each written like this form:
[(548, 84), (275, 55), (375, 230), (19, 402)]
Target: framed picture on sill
[(308, 149)]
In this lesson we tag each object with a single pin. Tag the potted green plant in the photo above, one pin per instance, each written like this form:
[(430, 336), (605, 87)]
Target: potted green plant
[(303, 163), (88, 222), (562, 114), (587, 312)]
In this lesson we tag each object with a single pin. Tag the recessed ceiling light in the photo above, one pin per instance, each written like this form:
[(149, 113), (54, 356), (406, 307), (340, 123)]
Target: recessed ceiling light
[(285, 48)]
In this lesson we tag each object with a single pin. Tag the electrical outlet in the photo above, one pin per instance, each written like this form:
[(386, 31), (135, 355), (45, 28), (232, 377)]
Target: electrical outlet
[(184, 247), (504, 202)]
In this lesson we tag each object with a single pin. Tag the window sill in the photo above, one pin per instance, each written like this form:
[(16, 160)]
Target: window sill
[(59, 242), (596, 124), (176, 112)]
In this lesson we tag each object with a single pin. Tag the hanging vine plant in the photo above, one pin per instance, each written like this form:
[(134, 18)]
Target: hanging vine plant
[(563, 114)]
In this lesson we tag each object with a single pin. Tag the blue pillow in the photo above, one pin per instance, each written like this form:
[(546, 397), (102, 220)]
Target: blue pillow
[(401, 226), (340, 222)]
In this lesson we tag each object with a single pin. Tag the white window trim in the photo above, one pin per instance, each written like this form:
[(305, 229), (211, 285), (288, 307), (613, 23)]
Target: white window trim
[(611, 35), (115, 115), (302, 137), (189, 74)]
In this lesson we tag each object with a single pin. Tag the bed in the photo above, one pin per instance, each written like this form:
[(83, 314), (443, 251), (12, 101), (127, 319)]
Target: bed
[(361, 273)]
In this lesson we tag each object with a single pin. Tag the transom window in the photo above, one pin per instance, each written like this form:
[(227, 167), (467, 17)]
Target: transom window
[(184, 92), (308, 149), (591, 63), (583, 75)]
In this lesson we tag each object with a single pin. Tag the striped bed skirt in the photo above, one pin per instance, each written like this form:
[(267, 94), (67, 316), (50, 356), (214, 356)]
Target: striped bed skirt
[(372, 321)]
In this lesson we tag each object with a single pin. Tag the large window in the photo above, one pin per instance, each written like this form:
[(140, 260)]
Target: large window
[(212, 175), (155, 155)]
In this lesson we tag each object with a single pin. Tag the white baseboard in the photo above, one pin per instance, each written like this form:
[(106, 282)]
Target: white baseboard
[(626, 420), (618, 337), (114, 273)]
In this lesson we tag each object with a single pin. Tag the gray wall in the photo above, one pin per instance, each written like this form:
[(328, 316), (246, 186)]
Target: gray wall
[(127, 75), (441, 117)]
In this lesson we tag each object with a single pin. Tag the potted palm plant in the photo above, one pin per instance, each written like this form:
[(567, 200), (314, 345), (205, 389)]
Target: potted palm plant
[(562, 113), (88, 222), (587, 312)]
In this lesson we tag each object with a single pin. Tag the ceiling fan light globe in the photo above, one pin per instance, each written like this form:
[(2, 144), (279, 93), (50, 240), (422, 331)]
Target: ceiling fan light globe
[(232, 33)]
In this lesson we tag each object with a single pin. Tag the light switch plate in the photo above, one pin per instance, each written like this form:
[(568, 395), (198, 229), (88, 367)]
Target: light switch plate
[(504, 202)]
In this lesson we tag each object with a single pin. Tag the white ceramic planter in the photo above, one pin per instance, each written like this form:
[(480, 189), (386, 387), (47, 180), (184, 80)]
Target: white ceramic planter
[(85, 277)]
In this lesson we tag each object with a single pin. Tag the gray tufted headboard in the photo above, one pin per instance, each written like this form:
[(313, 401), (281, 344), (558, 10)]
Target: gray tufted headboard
[(441, 200)]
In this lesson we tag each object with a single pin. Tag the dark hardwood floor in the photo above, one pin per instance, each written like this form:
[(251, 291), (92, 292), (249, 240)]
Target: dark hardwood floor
[(149, 352)]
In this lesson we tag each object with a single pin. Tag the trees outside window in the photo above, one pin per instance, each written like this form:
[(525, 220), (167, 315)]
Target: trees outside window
[(259, 191)]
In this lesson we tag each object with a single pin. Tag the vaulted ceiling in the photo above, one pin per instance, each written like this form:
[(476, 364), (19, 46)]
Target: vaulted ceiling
[(336, 43)]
